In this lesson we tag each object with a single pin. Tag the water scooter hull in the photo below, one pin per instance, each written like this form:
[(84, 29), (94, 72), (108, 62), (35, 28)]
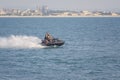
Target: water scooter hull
[(55, 42)]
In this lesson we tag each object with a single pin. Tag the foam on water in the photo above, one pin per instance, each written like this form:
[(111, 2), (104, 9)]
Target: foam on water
[(20, 41)]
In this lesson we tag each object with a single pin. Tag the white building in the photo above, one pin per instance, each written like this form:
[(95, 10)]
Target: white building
[(2, 12)]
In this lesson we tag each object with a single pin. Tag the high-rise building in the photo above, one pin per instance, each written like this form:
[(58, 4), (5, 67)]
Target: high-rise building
[(45, 10)]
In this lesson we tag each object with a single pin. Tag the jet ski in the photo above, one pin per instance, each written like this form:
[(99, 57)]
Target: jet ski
[(50, 41)]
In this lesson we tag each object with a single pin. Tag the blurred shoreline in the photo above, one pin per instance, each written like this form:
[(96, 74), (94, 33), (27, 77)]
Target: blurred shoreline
[(51, 16)]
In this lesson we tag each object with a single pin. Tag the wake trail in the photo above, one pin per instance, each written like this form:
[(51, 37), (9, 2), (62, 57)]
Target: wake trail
[(20, 41)]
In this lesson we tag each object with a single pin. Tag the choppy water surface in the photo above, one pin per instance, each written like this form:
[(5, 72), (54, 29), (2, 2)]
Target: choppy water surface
[(91, 50)]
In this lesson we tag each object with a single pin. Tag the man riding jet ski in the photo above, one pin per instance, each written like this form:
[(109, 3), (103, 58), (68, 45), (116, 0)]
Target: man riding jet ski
[(50, 41)]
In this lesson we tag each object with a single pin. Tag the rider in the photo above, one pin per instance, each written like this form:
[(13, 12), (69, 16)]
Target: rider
[(48, 37)]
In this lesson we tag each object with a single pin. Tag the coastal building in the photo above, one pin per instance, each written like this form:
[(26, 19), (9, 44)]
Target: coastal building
[(97, 13), (73, 14), (114, 14), (2, 12), (86, 13)]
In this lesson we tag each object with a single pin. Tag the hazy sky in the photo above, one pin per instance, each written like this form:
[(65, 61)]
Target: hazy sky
[(111, 5)]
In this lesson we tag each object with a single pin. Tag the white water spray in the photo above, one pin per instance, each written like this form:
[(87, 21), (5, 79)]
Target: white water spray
[(19, 41)]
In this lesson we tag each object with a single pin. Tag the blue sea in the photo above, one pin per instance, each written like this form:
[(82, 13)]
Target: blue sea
[(91, 50)]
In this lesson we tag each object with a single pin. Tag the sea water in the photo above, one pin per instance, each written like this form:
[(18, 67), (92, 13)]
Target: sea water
[(91, 50)]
